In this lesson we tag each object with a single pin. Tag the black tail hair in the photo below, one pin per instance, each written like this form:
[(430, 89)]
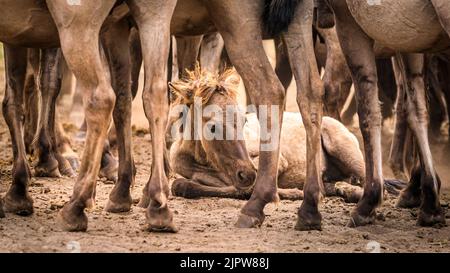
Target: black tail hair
[(278, 15)]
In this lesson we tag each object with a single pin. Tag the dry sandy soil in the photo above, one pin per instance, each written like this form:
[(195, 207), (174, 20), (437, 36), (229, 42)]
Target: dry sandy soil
[(205, 225)]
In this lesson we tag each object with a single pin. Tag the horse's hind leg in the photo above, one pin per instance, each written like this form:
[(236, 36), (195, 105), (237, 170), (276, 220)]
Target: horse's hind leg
[(241, 32), (116, 45), (364, 72), (31, 97), (17, 199), (188, 48), (79, 27), (282, 67), (154, 29), (309, 99), (397, 151), (64, 145), (211, 51), (50, 162), (136, 60), (412, 66)]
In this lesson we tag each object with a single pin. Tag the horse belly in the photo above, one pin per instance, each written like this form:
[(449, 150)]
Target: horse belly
[(191, 18), (27, 23), (402, 25)]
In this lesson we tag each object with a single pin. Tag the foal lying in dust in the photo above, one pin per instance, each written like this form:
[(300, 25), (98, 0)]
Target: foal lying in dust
[(219, 168)]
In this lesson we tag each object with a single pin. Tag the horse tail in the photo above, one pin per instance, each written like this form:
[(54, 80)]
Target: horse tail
[(278, 15)]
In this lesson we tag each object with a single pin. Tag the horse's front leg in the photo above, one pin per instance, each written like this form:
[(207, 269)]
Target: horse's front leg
[(363, 68), (309, 98), (241, 31), (116, 44), (17, 199), (79, 27), (154, 29)]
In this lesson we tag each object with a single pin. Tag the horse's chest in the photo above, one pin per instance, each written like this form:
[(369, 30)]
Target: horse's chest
[(402, 25)]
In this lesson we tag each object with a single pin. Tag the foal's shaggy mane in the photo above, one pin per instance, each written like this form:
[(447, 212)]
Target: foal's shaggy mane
[(204, 84)]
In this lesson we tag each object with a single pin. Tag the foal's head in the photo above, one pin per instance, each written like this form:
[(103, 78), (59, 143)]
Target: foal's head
[(212, 98)]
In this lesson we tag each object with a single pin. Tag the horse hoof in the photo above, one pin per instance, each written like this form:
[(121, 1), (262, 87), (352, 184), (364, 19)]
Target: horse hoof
[(436, 219), (308, 219), (408, 200), (65, 168), (160, 220), (358, 220), (247, 221), (119, 206), (73, 161), (109, 169), (72, 222), (47, 169), (20, 205)]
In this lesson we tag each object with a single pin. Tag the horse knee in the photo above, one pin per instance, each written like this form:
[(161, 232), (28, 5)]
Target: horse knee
[(100, 104), (155, 94)]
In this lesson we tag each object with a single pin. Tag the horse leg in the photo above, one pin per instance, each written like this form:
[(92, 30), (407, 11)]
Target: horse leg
[(397, 151), (64, 145), (79, 27), (154, 29), (364, 73), (211, 51), (241, 32), (50, 162), (116, 45), (309, 98), (325, 16), (31, 99), (337, 79), (17, 199), (282, 67), (136, 60), (348, 113), (188, 48), (412, 68)]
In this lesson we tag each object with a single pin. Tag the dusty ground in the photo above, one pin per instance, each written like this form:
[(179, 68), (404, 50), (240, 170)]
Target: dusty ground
[(205, 225)]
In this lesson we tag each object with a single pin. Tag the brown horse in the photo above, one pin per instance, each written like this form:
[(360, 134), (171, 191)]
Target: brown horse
[(367, 30), (41, 32)]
